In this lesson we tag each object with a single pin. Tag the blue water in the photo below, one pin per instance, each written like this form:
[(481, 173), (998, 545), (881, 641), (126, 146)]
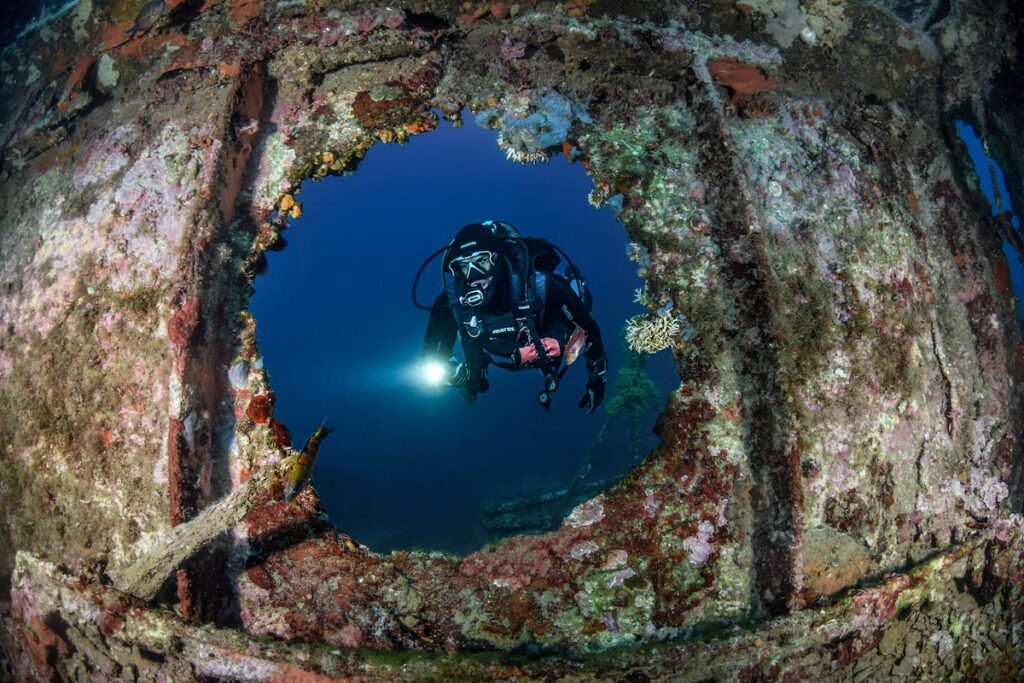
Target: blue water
[(18, 17), (411, 467), (984, 168)]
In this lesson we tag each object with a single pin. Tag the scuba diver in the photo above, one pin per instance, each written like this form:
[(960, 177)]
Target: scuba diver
[(504, 300)]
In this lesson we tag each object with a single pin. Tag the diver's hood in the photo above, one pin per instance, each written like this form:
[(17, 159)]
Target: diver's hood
[(472, 238)]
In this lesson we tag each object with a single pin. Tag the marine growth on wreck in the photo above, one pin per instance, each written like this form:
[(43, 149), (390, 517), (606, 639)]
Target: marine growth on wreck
[(837, 484)]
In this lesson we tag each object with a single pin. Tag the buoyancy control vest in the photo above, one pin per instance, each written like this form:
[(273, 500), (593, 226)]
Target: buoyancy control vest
[(502, 333), (529, 262), (526, 288)]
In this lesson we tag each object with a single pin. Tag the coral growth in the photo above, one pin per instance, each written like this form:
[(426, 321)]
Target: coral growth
[(813, 21), (531, 126), (650, 333), (261, 407), (633, 392)]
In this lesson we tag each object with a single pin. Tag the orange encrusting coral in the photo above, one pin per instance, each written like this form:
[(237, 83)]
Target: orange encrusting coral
[(743, 79)]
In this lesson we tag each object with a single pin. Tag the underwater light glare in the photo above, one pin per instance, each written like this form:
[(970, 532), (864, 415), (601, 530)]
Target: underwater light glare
[(434, 373)]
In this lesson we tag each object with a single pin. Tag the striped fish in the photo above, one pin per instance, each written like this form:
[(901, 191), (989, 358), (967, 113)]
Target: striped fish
[(303, 468)]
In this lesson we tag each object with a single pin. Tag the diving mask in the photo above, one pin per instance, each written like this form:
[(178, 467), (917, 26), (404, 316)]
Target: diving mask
[(479, 263)]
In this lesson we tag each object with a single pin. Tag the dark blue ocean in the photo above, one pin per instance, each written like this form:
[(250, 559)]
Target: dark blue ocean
[(992, 184), (409, 466), (18, 16)]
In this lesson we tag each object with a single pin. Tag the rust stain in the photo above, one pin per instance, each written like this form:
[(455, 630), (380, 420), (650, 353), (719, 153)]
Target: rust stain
[(186, 59), (732, 412), (174, 464), (45, 645), (79, 71), (184, 594), (1001, 274), (420, 127), (182, 324), (244, 10), (228, 70), (915, 206), (105, 435), (47, 160)]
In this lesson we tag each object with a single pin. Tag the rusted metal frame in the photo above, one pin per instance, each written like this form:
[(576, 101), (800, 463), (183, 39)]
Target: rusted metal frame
[(753, 328), (197, 466)]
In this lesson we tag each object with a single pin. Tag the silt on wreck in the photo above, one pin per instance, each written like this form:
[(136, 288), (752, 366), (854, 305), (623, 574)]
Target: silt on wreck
[(838, 488)]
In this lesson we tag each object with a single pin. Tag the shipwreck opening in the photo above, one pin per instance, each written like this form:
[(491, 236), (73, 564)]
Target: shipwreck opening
[(414, 467), (991, 182)]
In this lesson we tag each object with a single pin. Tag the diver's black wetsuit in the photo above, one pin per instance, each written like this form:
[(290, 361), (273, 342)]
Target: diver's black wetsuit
[(501, 338)]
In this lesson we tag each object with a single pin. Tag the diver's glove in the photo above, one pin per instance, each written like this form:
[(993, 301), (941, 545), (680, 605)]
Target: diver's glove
[(595, 384), (473, 383)]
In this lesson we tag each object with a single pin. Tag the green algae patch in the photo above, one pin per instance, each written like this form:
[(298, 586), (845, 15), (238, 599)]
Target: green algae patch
[(616, 603), (806, 313)]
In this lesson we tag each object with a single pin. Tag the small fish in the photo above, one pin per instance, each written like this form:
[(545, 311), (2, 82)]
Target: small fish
[(151, 13), (303, 468), (577, 342), (347, 543)]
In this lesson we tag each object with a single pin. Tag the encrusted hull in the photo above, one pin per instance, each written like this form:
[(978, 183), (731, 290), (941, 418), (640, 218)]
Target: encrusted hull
[(837, 490)]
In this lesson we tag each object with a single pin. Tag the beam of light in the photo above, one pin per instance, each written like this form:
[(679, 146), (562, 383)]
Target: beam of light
[(433, 373)]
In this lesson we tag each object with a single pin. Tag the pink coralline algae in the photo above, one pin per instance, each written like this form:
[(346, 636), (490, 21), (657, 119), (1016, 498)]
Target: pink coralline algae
[(699, 546), (581, 550), (587, 513), (329, 32), (983, 494), (512, 50), (616, 560), (103, 158), (651, 505), (373, 19), (516, 568)]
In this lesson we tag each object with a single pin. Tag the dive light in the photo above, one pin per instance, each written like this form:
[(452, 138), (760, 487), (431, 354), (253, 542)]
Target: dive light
[(435, 372), (453, 373)]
